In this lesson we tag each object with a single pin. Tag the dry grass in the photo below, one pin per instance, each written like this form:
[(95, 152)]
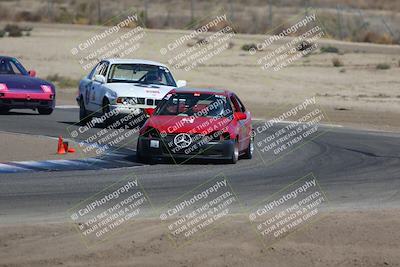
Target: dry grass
[(383, 66), (336, 62), (364, 25)]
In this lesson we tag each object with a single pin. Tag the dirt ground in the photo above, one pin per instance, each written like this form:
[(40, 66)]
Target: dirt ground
[(356, 94), (341, 238)]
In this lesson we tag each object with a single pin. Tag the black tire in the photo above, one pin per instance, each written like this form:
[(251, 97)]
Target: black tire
[(234, 157), (248, 154), (140, 158), (45, 111), (84, 116), (4, 110)]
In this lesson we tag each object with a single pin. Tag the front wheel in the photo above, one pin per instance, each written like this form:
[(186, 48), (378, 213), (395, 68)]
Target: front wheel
[(234, 153), (45, 111), (106, 112), (84, 116), (140, 158), (4, 110), (248, 154)]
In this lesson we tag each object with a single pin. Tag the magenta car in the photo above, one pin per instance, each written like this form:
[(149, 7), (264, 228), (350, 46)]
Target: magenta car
[(19, 89)]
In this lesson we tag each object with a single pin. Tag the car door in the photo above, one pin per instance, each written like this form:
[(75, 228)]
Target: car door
[(244, 125), (96, 89), (85, 86)]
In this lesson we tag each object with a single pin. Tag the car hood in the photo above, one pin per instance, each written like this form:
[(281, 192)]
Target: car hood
[(183, 124), (23, 83), (139, 90)]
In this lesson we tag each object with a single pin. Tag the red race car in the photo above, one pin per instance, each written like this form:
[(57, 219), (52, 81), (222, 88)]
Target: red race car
[(197, 123), (20, 89)]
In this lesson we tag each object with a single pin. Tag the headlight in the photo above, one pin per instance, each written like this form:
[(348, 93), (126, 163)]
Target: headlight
[(113, 94), (46, 88), (3, 87)]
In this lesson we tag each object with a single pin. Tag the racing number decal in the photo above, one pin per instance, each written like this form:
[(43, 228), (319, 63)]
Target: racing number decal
[(87, 93)]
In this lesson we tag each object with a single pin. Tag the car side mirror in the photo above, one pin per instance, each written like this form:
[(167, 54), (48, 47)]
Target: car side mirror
[(150, 111), (99, 78), (32, 73), (240, 116), (181, 83)]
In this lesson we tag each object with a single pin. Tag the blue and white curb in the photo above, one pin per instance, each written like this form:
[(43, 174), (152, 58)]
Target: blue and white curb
[(110, 161)]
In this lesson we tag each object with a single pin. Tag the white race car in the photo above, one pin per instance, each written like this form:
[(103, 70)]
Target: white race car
[(124, 86)]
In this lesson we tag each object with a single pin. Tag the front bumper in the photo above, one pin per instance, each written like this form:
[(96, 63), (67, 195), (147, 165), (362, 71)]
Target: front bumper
[(30, 100), (24, 103), (212, 150), (127, 109)]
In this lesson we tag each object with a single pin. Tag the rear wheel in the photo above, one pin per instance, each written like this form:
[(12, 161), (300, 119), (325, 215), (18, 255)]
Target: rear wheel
[(45, 111)]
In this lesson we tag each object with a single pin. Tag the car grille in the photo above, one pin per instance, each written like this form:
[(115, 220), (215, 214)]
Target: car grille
[(146, 101), (150, 102), (169, 147), (24, 101)]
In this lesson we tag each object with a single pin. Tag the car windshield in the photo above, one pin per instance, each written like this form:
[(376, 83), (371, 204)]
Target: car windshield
[(194, 104), (140, 73), (11, 66)]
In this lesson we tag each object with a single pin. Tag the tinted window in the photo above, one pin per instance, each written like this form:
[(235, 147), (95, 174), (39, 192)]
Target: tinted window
[(11, 66), (240, 104), (140, 73), (235, 104), (193, 104), (101, 69), (91, 74)]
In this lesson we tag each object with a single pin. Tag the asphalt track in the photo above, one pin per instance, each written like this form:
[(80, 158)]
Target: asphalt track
[(356, 169)]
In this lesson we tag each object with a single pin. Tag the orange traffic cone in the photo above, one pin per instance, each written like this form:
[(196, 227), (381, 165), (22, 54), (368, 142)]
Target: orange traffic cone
[(60, 148)]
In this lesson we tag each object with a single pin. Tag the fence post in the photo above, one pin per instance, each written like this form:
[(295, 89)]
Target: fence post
[(364, 23), (50, 10), (270, 13), (98, 11), (191, 11), (231, 10), (146, 9), (306, 4), (388, 28), (339, 18)]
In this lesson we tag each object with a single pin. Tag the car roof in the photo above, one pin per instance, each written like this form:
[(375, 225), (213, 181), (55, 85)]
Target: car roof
[(201, 90), (133, 61)]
